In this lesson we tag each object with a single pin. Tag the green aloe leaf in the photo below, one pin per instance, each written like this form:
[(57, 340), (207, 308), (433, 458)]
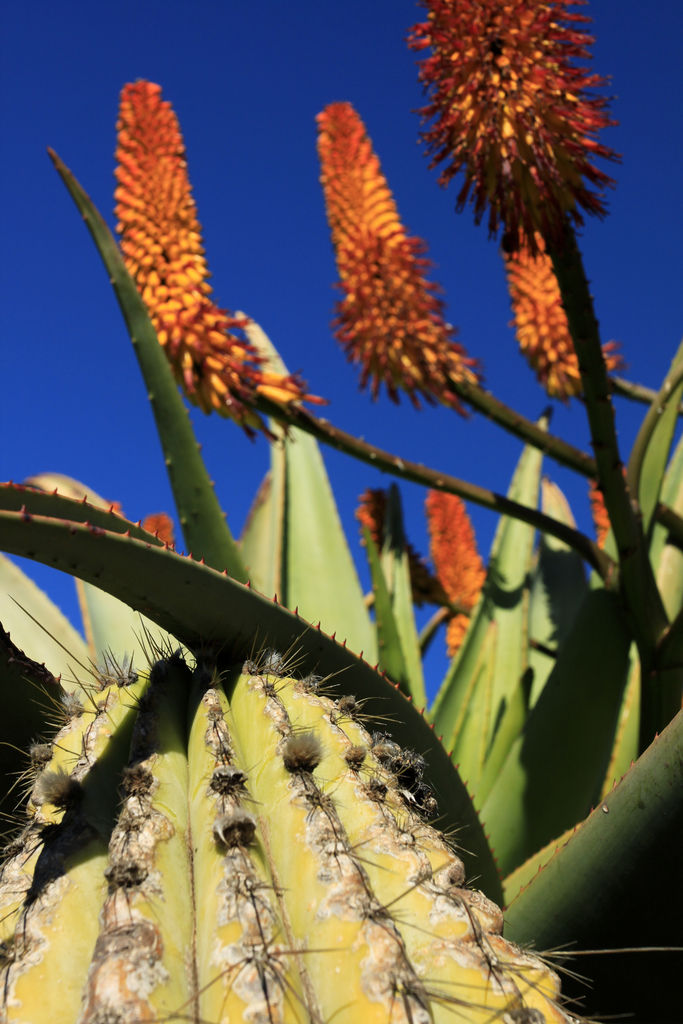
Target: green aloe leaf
[(397, 638), (317, 572), (625, 747), (617, 881), (110, 626), (26, 499), (263, 534), (667, 558), (667, 563), (201, 517), (554, 771), (558, 586), (391, 659), (651, 448), (396, 565), (497, 635), (202, 607), (37, 626)]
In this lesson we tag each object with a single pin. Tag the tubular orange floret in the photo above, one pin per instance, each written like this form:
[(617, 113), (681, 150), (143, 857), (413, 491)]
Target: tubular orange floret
[(161, 241), (512, 108), (457, 562), (541, 322), (390, 320)]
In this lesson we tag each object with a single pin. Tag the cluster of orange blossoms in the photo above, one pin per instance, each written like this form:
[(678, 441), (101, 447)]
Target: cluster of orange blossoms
[(459, 572), (541, 323), (457, 563), (510, 106), (390, 320), (162, 245)]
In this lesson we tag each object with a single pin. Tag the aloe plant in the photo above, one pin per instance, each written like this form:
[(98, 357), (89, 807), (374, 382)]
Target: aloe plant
[(240, 806)]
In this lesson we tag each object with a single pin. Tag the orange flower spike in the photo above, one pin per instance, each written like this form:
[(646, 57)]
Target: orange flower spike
[(390, 320), (599, 513), (541, 323), (457, 562), (512, 108), (161, 241), (371, 513)]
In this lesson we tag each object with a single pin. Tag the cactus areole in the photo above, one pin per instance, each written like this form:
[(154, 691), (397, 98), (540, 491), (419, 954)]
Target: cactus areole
[(254, 853)]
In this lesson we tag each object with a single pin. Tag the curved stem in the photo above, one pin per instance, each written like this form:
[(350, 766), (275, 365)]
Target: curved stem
[(561, 451), (637, 580), (636, 392), (324, 431)]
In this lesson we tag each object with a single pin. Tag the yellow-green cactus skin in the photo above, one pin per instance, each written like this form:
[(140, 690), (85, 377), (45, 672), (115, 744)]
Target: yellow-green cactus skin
[(247, 851)]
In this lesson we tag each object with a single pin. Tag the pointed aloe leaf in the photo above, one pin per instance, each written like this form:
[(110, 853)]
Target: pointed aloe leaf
[(318, 573), (601, 886), (554, 770), (625, 746), (200, 606), (203, 522), (471, 730), (510, 727), (509, 569), (110, 626), (651, 448), (667, 558), (466, 692), (38, 627), (390, 652), (28, 500), (667, 563), (557, 588), (504, 601), (262, 537), (397, 570), (663, 688)]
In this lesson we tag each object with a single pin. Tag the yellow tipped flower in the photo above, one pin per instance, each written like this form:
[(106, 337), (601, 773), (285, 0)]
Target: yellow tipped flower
[(390, 320), (541, 323), (511, 107), (161, 242), (457, 562)]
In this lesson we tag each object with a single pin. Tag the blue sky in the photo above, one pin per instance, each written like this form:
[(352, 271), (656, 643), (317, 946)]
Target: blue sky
[(246, 81)]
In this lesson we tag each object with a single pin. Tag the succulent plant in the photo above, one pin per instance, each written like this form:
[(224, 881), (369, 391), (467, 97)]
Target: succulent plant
[(233, 816)]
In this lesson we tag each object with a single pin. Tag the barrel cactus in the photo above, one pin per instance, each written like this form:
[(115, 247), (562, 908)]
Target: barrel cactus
[(267, 859), (227, 814)]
